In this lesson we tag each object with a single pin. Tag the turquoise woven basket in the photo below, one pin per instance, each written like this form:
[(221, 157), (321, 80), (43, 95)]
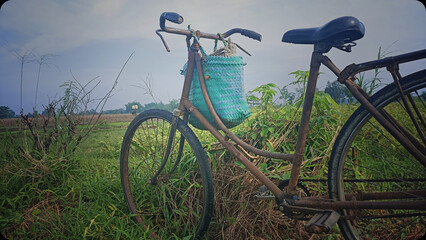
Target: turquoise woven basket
[(225, 86)]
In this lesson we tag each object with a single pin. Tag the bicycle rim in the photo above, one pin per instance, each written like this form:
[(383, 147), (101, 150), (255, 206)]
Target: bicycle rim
[(174, 199), (366, 158)]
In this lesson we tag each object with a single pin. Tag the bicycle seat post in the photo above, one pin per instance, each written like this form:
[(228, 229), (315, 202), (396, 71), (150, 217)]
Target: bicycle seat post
[(306, 114)]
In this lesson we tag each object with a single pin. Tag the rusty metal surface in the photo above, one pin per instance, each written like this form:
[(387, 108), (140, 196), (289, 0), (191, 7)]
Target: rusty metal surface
[(404, 131), (185, 104), (351, 70), (353, 88), (360, 196), (226, 130), (189, 76), (394, 70), (419, 115), (346, 76), (230, 147), (304, 122), (338, 205)]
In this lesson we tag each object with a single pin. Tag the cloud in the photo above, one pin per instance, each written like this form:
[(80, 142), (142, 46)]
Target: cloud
[(53, 26), (90, 36), (107, 8)]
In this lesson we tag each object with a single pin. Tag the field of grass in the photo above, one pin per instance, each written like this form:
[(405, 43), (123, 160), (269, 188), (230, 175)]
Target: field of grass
[(84, 199), (13, 123), (80, 196)]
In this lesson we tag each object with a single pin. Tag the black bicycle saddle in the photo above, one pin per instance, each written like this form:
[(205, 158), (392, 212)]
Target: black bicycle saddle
[(336, 32)]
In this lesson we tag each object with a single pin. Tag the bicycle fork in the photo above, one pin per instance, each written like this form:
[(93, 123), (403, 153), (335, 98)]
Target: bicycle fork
[(169, 148)]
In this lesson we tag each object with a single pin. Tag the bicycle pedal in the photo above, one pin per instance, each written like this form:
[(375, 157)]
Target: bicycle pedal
[(263, 193), (322, 222)]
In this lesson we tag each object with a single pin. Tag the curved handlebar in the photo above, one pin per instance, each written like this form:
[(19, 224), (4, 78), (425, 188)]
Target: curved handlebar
[(176, 18), (245, 32), (172, 17)]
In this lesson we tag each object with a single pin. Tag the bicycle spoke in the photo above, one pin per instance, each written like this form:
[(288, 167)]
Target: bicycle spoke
[(177, 202), (373, 161)]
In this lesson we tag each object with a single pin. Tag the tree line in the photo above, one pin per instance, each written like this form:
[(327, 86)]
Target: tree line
[(6, 112), (336, 90)]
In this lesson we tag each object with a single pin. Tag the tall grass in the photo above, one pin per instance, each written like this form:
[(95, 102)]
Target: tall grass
[(80, 196), (81, 200)]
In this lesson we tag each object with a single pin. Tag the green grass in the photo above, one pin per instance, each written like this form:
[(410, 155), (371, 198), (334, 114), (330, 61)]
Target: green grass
[(80, 196), (86, 202), (84, 199)]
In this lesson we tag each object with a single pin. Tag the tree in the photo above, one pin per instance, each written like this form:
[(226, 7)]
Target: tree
[(115, 111), (6, 112), (337, 91), (129, 108), (172, 105), (287, 96), (153, 106)]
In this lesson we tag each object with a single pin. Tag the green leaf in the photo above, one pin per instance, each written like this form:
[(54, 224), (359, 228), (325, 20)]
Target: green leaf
[(263, 167), (254, 136), (264, 132), (36, 212), (285, 176), (240, 164)]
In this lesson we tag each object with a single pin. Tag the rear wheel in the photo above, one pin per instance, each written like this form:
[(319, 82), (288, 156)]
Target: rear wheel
[(172, 198), (366, 158)]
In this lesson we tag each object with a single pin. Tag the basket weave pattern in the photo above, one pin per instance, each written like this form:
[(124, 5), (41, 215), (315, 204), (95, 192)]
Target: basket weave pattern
[(225, 86)]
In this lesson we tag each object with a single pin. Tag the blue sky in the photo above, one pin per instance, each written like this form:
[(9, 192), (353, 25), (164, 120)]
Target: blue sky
[(94, 38)]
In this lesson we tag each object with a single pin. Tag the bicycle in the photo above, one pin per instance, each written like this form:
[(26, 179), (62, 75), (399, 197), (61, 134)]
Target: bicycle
[(166, 176)]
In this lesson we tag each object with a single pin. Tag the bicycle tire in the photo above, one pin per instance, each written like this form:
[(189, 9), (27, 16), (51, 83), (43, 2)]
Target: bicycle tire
[(179, 202), (360, 153)]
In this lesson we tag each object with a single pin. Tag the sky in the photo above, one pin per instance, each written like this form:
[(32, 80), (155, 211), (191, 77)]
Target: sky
[(93, 39)]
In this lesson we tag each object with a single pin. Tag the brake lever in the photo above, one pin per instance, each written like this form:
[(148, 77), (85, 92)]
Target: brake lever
[(162, 39), (242, 49)]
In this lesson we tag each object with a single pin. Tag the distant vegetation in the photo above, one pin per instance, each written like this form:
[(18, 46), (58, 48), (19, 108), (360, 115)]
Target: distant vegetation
[(6, 112), (60, 175), (72, 188), (140, 108)]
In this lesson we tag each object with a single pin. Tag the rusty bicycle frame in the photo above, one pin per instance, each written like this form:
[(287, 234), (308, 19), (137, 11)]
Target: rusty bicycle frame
[(346, 77)]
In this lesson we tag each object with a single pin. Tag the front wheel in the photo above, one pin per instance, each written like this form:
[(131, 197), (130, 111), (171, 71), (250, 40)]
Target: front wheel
[(171, 198), (366, 158)]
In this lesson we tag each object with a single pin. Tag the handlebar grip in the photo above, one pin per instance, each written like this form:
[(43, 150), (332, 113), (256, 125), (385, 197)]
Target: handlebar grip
[(170, 16), (251, 34)]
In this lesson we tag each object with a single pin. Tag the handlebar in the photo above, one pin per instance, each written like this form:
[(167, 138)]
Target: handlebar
[(170, 16), (178, 19)]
